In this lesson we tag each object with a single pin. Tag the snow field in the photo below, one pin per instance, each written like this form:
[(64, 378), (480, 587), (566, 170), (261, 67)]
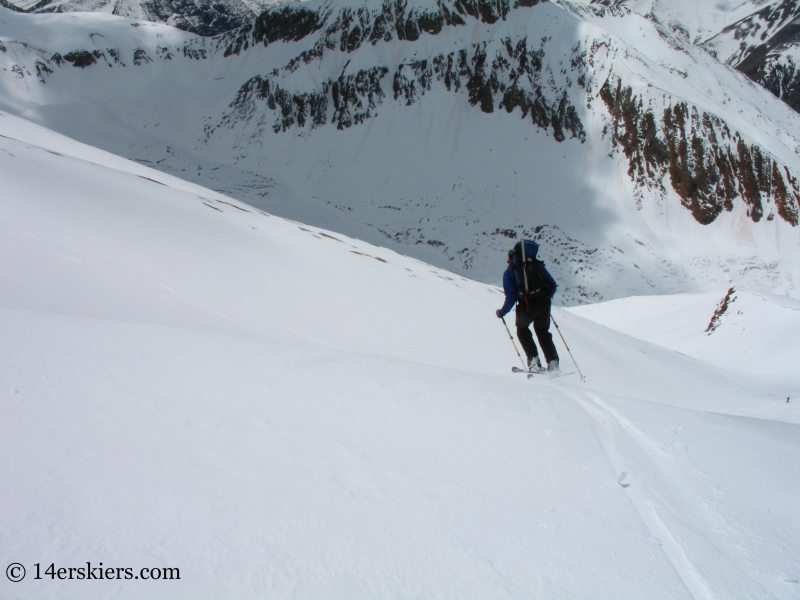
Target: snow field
[(737, 329)]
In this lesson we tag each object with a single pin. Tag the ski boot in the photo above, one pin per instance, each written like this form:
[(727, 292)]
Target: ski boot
[(534, 365)]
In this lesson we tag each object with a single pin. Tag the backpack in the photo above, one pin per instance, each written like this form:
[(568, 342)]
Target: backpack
[(533, 281)]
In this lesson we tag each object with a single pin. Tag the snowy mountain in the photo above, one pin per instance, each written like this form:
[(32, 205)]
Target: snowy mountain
[(694, 20), (754, 36), (765, 46), (202, 17), (444, 131), (757, 37), (270, 409)]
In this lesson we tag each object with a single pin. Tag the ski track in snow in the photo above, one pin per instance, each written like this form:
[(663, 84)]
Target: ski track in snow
[(636, 490), (226, 317), (647, 472)]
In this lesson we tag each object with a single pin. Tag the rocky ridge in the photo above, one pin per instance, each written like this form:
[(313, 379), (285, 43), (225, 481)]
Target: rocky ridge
[(706, 163), (761, 45)]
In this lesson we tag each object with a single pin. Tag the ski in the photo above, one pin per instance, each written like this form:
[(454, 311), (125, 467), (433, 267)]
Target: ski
[(554, 375), (543, 372)]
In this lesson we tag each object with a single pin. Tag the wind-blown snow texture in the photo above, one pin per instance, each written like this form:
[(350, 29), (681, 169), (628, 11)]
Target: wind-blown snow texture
[(174, 395), (444, 131)]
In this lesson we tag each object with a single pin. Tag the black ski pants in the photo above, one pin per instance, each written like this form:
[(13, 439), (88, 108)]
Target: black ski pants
[(538, 313)]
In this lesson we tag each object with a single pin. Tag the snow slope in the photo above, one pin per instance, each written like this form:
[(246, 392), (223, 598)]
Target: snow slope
[(757, 37), (423, 163), (696, 20), (248, 249), (191, 383), (737, 329)]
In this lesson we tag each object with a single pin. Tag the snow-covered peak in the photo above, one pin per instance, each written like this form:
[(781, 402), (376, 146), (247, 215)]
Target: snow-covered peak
[(756, 37)]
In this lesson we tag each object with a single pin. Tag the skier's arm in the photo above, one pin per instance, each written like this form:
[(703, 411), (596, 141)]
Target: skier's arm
[(551, 280), (510, 289)]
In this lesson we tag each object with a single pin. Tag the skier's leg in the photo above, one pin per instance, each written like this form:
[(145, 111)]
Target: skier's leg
[(526, 339), (524, 334), (541, 325)]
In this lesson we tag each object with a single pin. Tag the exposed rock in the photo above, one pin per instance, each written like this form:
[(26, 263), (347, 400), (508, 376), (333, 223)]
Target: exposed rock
[(780, 75), (353, 99), (80, 58), (349, 28), (288, 23), (708, 164), (203, 17), (511, 78), (42, 70), (721, 309), (140, 57)]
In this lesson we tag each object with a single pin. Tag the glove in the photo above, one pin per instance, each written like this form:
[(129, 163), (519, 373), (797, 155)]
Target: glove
[(499, 314)]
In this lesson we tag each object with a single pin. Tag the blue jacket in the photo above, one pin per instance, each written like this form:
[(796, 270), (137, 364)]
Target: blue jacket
[(511, 289)]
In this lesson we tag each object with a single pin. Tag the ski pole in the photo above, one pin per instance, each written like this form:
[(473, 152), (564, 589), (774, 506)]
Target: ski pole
[(511, 337), (567, 347)]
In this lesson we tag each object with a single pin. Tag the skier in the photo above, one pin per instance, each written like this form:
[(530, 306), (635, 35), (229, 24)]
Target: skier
[(533, 305)]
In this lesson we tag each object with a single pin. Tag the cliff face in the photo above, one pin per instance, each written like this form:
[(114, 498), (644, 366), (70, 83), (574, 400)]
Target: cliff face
[(699, 156)]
